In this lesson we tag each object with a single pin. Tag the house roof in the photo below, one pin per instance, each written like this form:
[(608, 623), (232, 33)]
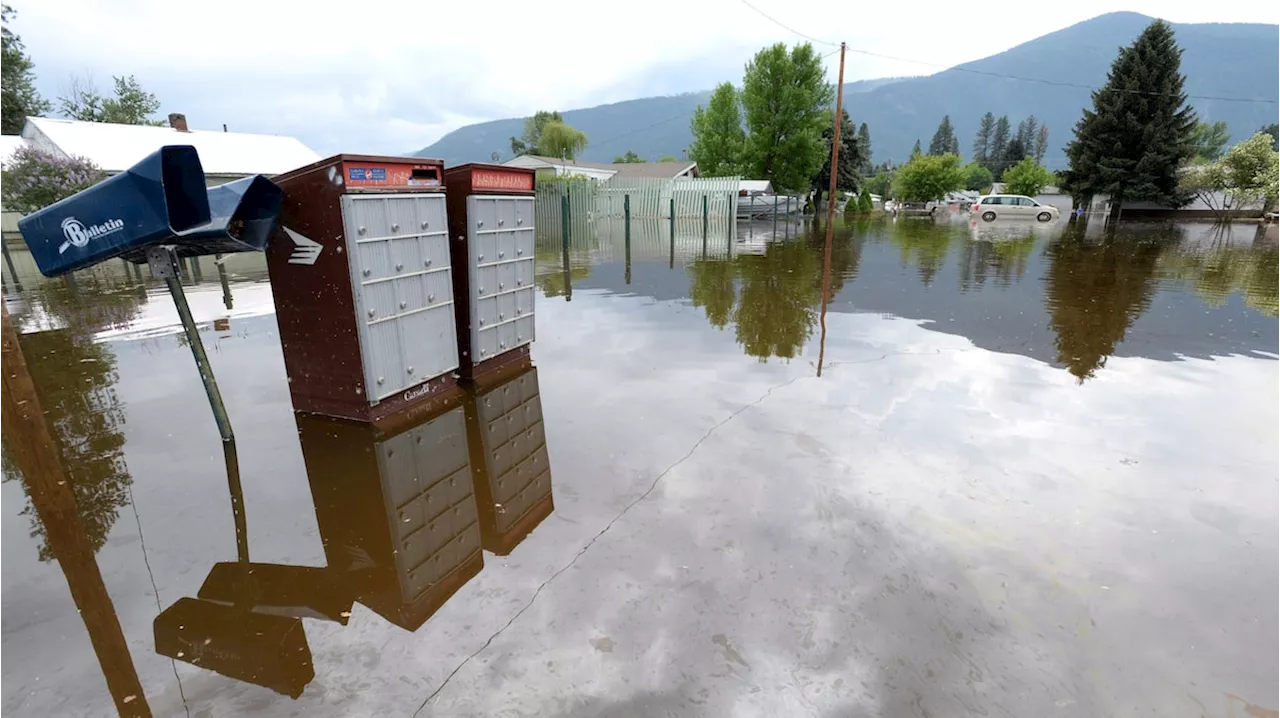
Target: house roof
[(625, 169), (8, 145), (115, 148)]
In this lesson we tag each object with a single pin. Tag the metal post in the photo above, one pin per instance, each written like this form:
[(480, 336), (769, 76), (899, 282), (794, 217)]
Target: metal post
[(164, 263), (222, 279), (704, 225), (564, 222), (8, 263), (671, 263), (197, 274), (775, 217), (568, 276), (626, 232)]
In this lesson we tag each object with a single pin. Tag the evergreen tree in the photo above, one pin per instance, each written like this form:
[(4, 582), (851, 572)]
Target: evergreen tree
[(18, 96), (999, 141), (1014, 152), (864, 139), (852, 156), (718, 139), (1028, 129), (1130, 144), (944, 139), (982, 141), (1042, 143), (915, 151), (786, 101)]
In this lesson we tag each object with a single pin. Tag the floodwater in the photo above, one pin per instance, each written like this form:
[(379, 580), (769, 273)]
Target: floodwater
[(1036, 476)]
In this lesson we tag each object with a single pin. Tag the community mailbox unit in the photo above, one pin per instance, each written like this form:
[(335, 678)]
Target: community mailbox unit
[(360, 270), (397, 513), (491, 223)]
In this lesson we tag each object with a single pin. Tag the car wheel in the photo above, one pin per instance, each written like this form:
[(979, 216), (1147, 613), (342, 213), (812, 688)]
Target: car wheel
[(1044, 216), (988, 216)]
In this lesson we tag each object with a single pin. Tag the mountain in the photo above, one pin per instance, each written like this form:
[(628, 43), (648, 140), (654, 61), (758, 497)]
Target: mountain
[(651, 127), (1220, 60)]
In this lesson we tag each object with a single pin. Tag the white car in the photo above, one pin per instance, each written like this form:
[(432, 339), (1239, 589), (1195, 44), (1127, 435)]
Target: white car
[(1013, 206)]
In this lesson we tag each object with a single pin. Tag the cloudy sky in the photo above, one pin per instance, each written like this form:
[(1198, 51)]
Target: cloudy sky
[(392, 76)]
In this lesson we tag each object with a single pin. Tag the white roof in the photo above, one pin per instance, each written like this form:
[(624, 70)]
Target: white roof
[(115, 148), (755, 186), (8, 145)]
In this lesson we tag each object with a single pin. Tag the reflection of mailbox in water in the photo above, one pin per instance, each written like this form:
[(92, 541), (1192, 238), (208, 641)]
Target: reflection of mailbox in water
[(491, 223), (360, 272), (509, 460), (397, 514)]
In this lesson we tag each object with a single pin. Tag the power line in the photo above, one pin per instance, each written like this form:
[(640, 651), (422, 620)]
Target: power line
[(787, 28)]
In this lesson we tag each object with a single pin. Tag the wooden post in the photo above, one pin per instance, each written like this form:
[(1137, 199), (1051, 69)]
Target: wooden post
[(831, 209), (27, 436), (222, 279)]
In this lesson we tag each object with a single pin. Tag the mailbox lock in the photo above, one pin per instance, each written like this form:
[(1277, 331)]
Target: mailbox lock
[(399, 266), (360, 230), (501, 315), (519, 338), (501, 285), (409, 370), (482, 322), (501, 222), (519, 282), (502, 345), (379, 381), (365, 272), (426, 224), (431, 297), (519, 311), (501, 255), (519, 220), (395, 228), (519, 252), (427, 262), (482, 290), (371, 312), (480, 223), (480, 258), (403, 304)]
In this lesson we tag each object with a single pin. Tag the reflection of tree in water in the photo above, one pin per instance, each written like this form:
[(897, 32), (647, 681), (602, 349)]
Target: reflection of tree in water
[(1094, 292), (1005, 258), (1225, 264), (76, 379), (923, 243), (778, 299), (90, 301), (711, 287)]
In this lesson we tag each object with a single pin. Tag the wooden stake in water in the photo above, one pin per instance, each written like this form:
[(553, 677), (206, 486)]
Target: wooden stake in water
[(831, 210)]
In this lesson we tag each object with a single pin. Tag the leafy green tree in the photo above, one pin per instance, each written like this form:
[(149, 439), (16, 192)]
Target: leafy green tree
[(976, 177), (786, 100), (34, 179), (1210, 140), (131, 104), (529, 142), (627, 159), (719, 142), (982, 140), (1246, 176), (944, 139), (668, 158), (1140, 130), (852, 156), (18, 96), (1027, 177), (999, 143), (1272, 129), (881, 183), (929, 177), (864, 139), (561, 140)]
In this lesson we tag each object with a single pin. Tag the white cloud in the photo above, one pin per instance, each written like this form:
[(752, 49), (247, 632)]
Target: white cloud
[(394, 76)]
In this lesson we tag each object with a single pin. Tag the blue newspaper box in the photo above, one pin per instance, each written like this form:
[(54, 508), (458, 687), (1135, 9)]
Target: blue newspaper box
[(243, 213), (146, 204)]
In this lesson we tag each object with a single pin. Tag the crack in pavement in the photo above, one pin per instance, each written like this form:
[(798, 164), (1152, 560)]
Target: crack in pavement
[(602, 532)]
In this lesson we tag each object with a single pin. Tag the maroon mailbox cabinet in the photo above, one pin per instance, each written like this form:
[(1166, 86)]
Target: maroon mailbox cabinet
[(491, 228), (361, 274)]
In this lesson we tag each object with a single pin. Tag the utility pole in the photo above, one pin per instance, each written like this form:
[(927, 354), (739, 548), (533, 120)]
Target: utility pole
[(831, 207)]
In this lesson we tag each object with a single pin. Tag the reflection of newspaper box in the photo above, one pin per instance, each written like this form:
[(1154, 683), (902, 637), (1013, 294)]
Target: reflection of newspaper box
[(509, 460), (491, 225), (397, 514), (360, 272)]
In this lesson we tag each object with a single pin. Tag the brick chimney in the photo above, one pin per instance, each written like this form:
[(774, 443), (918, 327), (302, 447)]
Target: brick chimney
[(178, 121)]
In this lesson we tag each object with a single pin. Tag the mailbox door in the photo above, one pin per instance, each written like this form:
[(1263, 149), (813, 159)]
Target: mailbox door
[(500, 237), (431, 508), (400, 275)]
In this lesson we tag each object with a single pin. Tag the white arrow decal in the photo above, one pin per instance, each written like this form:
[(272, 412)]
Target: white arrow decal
[(305, 251)]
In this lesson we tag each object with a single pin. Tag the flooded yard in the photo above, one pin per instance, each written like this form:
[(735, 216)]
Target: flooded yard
[(1003, 469)]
